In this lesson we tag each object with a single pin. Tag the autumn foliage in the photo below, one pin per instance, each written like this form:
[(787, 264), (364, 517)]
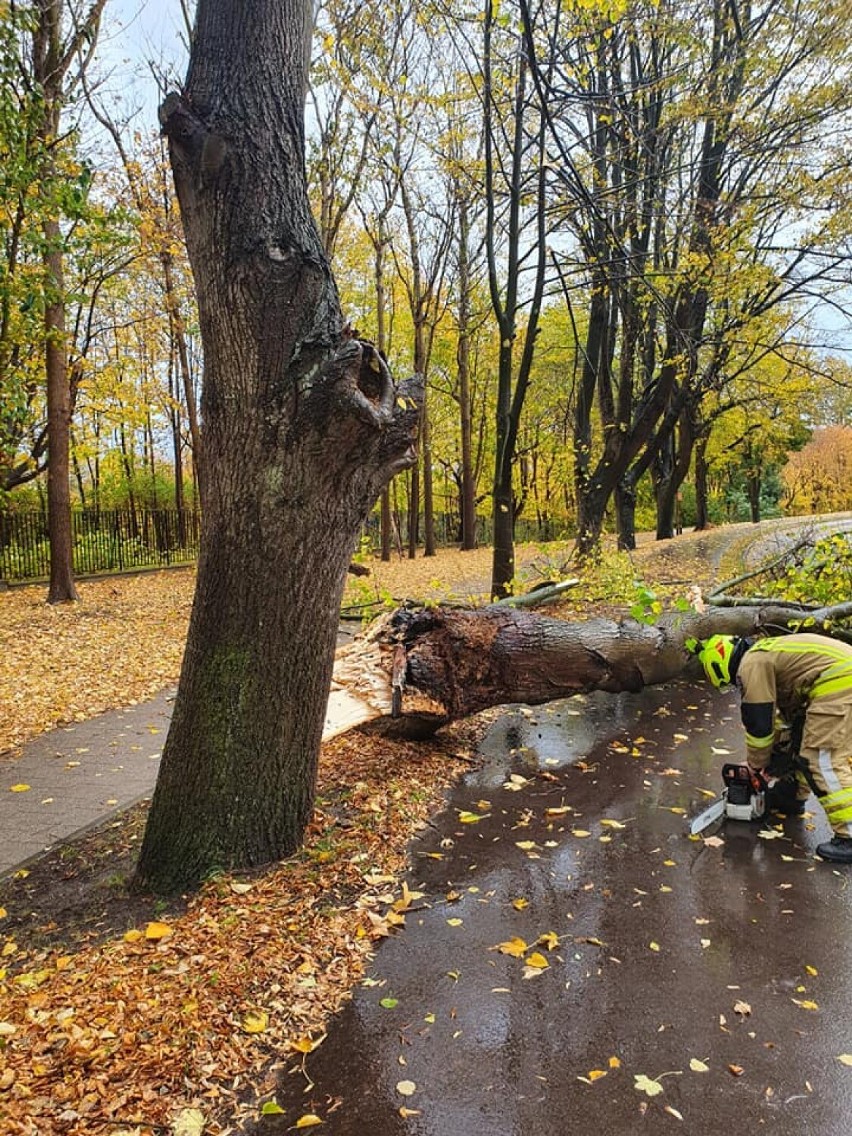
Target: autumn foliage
[(818, 479)]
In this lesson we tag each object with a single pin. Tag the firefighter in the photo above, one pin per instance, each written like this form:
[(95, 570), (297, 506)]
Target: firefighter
[(804, 676)]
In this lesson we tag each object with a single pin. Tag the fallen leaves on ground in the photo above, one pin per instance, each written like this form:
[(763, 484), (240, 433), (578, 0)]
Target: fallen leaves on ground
[(67, 662), (184, 1017)]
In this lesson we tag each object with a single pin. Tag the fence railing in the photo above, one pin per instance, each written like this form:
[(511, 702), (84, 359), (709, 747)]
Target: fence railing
[(118, 540), (103, 540)]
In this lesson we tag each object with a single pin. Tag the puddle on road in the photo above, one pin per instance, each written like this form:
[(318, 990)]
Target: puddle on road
[(658, 950)]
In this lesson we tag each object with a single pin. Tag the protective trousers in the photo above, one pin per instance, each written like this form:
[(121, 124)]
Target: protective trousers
[(827, 750)]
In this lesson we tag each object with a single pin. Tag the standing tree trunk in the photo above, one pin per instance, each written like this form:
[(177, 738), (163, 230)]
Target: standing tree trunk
[(52, 59), (522, 167), (62, 587), (702, 516), (303, 427), (467, 480)]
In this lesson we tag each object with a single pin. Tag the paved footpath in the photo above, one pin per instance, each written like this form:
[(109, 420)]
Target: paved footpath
[(82, 774), (78, 776)]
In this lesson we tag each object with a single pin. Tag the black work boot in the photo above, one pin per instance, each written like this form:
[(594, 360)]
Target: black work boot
[(838, 850)]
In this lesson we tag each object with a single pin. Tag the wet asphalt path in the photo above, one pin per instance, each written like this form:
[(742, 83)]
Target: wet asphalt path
[(720, 973)]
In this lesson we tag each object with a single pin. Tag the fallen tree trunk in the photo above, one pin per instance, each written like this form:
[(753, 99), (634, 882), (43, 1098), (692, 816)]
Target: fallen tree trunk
[(418, 669)]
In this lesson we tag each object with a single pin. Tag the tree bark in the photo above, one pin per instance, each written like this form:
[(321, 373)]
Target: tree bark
[(302, 428)]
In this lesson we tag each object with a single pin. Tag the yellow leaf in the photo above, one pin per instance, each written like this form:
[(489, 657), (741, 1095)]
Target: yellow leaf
[(579, 832), (607, 823), (19, 788), (31, 979), (517, 948), (614, 1063), (806, 1004), (455, 922), (3, 912), (133, 935), (406, 1112), (596, 1074), (406, 1088), (646, 1085), (698, 1066), (525, 845), (558, 812), (9, 948), (156, 931), (307, 1121), (531, 972), (302, 1045), (520, 904), (538, 961), (812, 970), (255, 1021), (845, 1058), (470, 818), (654, 946), (189, 1122), (550, 940)]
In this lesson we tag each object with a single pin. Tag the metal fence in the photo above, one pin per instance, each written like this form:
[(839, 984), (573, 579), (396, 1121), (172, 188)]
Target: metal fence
[(448, 529), (118, 540), (104, 540)]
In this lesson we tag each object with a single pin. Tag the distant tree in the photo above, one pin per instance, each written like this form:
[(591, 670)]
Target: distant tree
[(818, 479)]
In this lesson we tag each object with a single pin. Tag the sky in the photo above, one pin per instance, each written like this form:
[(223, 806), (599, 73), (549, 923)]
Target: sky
[(133, 33)]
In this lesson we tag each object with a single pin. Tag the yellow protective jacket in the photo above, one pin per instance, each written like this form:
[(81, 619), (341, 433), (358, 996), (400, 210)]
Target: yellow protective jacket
[(789, 675)]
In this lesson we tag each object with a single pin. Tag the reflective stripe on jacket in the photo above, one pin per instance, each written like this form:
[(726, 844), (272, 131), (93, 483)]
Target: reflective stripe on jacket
[(785, 675)]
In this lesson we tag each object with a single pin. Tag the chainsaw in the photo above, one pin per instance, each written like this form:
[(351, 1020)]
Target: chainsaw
[(743, 798)]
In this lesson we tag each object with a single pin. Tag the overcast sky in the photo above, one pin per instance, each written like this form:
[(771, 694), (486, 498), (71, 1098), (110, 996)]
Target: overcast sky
[(135, 33)]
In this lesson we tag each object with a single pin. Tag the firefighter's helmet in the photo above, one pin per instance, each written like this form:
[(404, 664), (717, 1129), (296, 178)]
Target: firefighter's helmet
[(716, 655)]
